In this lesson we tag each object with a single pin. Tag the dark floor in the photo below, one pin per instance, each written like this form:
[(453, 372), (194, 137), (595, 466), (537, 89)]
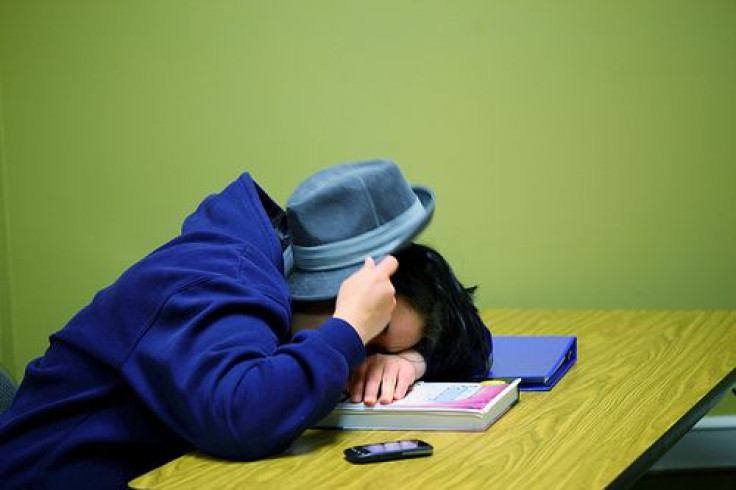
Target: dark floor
[(679, 480)]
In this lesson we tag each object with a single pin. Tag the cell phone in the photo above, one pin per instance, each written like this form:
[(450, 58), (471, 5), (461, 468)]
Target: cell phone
[(388, 451)]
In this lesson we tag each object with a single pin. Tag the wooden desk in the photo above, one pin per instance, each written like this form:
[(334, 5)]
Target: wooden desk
[(641, 381)]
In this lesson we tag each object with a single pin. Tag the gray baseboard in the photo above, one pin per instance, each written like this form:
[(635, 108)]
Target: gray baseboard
[(709, 445)]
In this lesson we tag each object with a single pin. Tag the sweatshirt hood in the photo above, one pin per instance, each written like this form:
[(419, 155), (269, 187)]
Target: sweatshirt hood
[(237, 211)]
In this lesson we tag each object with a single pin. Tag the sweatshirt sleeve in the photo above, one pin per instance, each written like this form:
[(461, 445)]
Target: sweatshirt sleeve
[(213, 368)]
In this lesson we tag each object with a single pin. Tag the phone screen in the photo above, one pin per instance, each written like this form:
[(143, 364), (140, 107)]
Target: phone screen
[(394, 446)]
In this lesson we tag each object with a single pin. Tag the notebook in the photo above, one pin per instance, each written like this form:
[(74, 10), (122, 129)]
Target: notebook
[(540, 361)]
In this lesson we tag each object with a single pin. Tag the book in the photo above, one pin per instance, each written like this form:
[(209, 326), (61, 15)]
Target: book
[(539, 361), (431, 406)]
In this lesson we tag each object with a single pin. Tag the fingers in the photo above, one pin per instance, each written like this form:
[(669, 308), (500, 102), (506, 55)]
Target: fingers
[(366, 379), (372, 385), (404, 381), (388, 265), (388, 384), (367, 298), (385, 268), (381, 379), (357, 383)]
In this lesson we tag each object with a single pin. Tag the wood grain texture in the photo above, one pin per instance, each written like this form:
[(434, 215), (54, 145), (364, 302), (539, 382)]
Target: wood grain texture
[(638, 373)]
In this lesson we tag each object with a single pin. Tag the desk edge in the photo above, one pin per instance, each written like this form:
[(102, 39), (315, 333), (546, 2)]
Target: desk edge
[(647, 459)]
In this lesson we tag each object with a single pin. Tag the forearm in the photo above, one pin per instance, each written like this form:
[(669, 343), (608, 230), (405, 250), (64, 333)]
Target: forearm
[(246, 403)]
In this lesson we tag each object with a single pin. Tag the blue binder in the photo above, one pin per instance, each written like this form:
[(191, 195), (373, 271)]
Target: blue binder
[(540, 361)]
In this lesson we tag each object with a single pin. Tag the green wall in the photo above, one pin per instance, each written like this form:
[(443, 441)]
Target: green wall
[(583, 153), (7, 348)]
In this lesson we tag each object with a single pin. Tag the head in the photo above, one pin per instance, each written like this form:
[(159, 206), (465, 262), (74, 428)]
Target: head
[(403, 331), (343, 214), (434, 314), (455, 341)]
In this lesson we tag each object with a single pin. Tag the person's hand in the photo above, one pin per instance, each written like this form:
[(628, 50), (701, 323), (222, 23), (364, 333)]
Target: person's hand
[(389, 374), (367, 298)]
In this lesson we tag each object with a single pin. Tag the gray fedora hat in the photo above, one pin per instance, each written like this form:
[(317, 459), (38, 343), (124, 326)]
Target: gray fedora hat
[(341, 215)]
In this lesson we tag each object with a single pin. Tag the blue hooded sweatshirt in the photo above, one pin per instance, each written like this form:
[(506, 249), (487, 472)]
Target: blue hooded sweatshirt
[(191, 348)]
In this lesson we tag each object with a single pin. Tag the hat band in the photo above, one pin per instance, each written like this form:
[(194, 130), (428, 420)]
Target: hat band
[(375, 243)]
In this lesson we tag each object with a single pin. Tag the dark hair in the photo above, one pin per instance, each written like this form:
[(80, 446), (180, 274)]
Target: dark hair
[(456, 344)]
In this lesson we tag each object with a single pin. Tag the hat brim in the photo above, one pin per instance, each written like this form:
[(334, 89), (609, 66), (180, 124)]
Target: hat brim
[(323, 285)]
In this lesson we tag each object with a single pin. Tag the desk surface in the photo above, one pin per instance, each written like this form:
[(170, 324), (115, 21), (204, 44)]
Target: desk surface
[(641, 381)]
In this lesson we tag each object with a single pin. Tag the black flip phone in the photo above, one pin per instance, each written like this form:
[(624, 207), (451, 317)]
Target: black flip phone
[(387, 451)]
